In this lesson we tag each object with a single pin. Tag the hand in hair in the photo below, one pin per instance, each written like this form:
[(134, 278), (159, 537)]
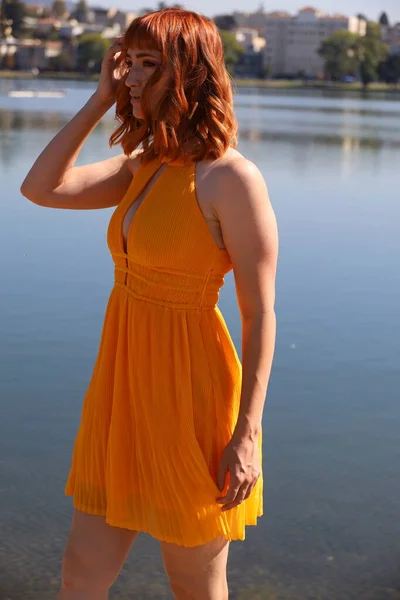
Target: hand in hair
[(111, 73)]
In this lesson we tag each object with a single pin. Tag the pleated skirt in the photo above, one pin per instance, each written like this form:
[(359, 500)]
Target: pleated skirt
[(160, 408)]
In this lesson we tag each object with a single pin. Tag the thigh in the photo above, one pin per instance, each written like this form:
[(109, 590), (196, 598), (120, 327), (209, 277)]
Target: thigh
[(95, 551), (199, 571)]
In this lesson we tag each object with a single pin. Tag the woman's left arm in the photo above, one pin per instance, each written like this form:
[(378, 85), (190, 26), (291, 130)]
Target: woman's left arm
[(250, 235)]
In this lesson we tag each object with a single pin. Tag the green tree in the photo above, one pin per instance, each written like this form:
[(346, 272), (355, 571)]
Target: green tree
[(389, 69), (267, 71), (14, 10), (225, 22), (81, 11), (53, 35), (62, 62), (340, 52), (145, 11), (372, 51), (232, 49), (59, 8), (92, 48), (368, 72), (384, 20)]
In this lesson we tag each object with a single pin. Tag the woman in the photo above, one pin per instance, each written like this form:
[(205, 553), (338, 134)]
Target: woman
[(170, 435)]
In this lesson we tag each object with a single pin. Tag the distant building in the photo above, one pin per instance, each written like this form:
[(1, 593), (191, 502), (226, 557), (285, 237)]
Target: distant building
[(106, 32), (123, 19), (70, 29), (28, 54), (45, 25), (98, 16), (391, 37), (251, 62), (249, 39), (8, 48), (292, 41), (35, 10), (110, 16)]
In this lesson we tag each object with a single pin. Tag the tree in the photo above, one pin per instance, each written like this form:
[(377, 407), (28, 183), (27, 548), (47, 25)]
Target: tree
[(389, 69), (383, 20), (340, 54), (368, 71), (92, 48), (14, 10), (232, 49), (62, 62), (81, 12), (59, 8), (347, 53), (372, 51), (225, 22)]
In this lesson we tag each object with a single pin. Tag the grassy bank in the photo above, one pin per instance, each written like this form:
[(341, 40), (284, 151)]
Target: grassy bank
[(260, 83), (48, 75)]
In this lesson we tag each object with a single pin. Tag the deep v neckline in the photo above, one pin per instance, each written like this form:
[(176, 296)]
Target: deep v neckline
[(144, 188)]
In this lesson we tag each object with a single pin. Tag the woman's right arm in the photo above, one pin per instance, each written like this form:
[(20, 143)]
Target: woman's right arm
[(55, 182)]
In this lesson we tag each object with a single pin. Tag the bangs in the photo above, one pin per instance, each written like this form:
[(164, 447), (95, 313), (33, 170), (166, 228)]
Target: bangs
[(195, 102), (144, 34)]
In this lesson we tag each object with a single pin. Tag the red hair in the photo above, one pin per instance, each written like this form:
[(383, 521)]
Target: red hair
[(193, 58)]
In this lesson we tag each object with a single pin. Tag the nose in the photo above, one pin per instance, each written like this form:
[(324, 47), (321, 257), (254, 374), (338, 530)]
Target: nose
[(133, 79)]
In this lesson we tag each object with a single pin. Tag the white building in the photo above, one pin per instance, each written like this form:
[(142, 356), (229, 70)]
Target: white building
[(251, 62), (107, 17), (249, 39), (293, 40)]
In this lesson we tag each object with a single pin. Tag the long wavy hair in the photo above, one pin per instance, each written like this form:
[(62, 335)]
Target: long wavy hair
[(194, 119)]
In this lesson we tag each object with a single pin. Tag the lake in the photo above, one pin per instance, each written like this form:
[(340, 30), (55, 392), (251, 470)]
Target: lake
[(331, 529)]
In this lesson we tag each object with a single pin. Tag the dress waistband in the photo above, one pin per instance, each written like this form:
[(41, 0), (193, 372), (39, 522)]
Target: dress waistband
[(170, 288)]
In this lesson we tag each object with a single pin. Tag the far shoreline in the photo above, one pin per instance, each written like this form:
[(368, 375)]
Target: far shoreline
[(273, 84)]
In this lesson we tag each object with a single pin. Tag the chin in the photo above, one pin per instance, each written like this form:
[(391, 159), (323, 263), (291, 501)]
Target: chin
[(137, 112)]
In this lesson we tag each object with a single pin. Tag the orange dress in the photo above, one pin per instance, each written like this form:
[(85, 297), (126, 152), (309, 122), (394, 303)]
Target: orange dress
[(164, 395)]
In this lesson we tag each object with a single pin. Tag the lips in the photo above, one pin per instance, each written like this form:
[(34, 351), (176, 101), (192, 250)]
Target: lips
[(136, 98)]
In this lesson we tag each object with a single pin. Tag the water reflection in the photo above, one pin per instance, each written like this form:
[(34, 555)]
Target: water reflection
[(13, 120), (348, 110)]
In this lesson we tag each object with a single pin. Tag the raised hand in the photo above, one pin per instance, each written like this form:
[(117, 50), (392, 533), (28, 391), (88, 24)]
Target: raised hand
[(112, 70)]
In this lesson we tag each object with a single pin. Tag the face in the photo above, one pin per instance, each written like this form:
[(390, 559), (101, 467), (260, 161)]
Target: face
[(142, 63)]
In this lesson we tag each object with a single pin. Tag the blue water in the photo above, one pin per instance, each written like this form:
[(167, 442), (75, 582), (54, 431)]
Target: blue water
[(331, 528)]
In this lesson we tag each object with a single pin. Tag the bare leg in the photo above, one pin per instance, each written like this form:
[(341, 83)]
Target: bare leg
[(93, 557), (197, 573)]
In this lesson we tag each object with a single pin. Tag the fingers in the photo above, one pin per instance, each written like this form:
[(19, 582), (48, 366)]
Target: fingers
[(114, 53), (238, 491), (119, 39), (237, 496), (231, 495), (250, 488), (117, 45)]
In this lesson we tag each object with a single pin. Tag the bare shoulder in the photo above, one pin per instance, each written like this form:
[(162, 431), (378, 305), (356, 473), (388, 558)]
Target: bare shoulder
[(232, 179)]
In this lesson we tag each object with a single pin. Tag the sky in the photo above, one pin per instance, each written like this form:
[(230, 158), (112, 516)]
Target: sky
[(370, 8)]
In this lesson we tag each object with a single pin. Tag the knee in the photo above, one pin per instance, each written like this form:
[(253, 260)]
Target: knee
[(191, 588), (80, 573)]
